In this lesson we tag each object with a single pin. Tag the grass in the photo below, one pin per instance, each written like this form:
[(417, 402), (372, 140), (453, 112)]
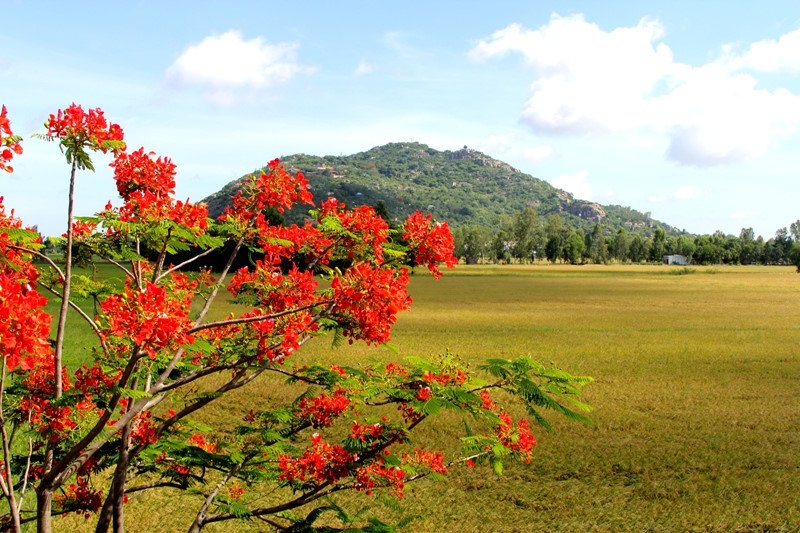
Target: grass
[(696, 424)]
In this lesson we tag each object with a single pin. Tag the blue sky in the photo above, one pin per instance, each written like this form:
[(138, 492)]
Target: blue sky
[(689, 110)]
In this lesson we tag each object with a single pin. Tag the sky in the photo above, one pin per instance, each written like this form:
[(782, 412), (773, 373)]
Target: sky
[(687, 110)]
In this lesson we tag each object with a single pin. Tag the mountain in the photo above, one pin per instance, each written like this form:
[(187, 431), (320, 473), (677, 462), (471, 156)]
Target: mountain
[(462, 187)]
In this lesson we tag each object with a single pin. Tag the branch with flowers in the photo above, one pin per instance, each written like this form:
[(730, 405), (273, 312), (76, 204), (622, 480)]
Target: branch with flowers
[(120, 424)]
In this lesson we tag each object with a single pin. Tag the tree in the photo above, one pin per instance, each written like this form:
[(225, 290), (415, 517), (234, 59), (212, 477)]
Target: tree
[(472, 243), (794, 230), (503, 241), (556, 238), (709, 250), (638, 249), (684, 246), (749, 251), (84, 439), (528, 235), (794, 255), (619, 246), (573, 247), (657, 246), (596, 245)]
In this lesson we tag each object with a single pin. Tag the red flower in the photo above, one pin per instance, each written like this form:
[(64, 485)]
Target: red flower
[(24, 325), (431, 243), (140, 171), (200, 441), (429, 459), (367, 299), (521, 441), (320, 411), (82, 229), (394, 369), (80, 498), (365, 231), (143, 430), (235, 491), (423, 394), (321, 462), (378, 475), (152, 318), (9, 143), (274, 187), (486, 400), (88, 128)]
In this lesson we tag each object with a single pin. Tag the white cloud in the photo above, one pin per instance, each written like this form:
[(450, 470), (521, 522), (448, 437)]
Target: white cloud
[(689, 192), (770, 55), (228, 66), (576, 183), (363, 69), (538, 153), (588, 80)]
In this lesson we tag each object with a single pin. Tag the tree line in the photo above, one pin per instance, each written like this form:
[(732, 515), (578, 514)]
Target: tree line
[(525, 238)]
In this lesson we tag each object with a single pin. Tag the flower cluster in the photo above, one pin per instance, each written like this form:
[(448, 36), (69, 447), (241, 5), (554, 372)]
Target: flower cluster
[(286, 301), (377, 474), (80, 498), (363, 229), (24, 325), (272, 187), (93, 380), (519, 439), (322, 410), (140, 172), (88, 128), (321, 462), (147, 184), (201, 442), (235, 491), (151, 318), (431, 242), (286, 242), (276, 291), (444, 378), (52, 421), (367, 299), (143, 429), (9, 143), (432, 460)]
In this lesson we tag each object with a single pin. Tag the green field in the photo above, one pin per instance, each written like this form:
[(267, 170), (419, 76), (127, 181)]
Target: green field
[(696, 424)]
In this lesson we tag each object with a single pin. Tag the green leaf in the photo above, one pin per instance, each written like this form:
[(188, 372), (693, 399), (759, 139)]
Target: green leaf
[(497, 466), (391, 347), (135, 394), (432, 406)]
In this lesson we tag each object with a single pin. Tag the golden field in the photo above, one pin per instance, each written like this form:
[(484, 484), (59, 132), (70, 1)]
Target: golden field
[(696, 424)]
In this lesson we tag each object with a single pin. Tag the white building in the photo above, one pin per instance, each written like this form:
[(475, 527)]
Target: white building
[(675, 259)]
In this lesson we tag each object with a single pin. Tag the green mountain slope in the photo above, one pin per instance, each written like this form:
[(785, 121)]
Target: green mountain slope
[(462, 187)]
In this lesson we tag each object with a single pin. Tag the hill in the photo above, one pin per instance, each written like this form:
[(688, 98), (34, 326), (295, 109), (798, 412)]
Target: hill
[(462, 187)]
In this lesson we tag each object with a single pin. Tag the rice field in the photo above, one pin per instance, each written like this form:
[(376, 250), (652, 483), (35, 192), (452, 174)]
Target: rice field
[(696, 424)]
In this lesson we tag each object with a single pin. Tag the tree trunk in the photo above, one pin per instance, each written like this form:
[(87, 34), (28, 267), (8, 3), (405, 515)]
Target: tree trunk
[(44, 504), (106, 513)]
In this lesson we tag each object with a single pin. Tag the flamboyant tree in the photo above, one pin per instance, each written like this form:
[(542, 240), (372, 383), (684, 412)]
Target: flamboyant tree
[(84, 439)]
